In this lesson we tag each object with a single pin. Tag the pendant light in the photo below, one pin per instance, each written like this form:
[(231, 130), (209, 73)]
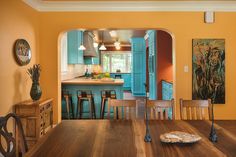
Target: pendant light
[(117, 44), (81, 47), (102, 47)]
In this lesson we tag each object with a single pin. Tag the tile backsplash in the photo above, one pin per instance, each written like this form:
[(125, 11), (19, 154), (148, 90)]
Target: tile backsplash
[(74, 70)]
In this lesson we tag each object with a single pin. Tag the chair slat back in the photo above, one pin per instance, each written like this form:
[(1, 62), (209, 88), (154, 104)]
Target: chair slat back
[(195, 109), (159, 109), (122, 109), (9, 150)]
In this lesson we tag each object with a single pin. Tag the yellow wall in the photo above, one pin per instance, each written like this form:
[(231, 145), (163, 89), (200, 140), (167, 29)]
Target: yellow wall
[(184, 26), (17, 20), (20, 21)]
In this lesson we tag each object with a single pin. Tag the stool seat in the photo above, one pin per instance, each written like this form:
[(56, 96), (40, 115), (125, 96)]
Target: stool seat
[(85, 95), (105, 95), (69, 103)]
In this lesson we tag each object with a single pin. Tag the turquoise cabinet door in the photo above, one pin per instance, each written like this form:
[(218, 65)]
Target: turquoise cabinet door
[(138, 72), (126, 77), (167, 93), (127, 81), (75, 56), (152, 64), (167, 90)]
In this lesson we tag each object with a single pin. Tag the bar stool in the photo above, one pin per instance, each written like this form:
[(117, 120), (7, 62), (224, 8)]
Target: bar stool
[(105, 94), (85, 95), (69, 103)]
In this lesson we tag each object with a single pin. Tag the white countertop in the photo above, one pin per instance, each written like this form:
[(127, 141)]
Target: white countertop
[(82, 81)]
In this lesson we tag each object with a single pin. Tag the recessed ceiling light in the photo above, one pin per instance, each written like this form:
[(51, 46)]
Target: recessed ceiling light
[(113, 34)]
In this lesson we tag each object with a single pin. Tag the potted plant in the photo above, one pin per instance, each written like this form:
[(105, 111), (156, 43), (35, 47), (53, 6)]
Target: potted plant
[(34, 73)]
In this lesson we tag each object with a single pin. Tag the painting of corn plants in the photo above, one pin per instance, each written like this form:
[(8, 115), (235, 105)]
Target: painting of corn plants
[(208, 70)]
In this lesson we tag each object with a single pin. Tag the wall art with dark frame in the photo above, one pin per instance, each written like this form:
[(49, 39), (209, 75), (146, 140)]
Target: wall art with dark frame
[(208, 70), (22, 52)]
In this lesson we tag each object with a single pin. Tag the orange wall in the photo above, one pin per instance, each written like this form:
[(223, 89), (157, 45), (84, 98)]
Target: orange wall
[(164, 59), (17, 20), (183, 25)]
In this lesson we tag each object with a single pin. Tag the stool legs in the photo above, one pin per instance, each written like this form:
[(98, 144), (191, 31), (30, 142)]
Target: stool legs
[(103, 105), (78, 108), (90, 108), (94, 109), (102, 108), (91, 104), (69, 105), (81, 108), (72, 108)]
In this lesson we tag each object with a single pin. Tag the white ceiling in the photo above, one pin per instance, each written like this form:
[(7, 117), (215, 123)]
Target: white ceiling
[(132, 5), (121, 35)]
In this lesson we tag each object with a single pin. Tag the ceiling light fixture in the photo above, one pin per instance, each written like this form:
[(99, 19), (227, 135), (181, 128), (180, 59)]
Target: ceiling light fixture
[(118, 47), (113, 34), (81, 47), (102, 47), (117, 43), (95, 44)]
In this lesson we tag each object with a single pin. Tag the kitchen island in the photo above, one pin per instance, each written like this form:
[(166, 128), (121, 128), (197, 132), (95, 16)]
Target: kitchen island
[(95, 85)]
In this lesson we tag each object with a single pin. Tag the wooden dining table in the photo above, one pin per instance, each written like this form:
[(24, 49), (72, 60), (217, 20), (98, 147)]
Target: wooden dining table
[(125, 138)]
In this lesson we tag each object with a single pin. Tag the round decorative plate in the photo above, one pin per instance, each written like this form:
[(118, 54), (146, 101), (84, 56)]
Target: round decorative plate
[(22, 51), (179, 137)]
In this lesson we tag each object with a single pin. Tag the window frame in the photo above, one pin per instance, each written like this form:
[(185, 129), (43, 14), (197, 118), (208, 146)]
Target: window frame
[(110, 53)]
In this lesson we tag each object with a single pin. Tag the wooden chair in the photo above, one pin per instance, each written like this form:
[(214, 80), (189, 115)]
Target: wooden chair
[(195, 109), (105, 95), (159, 109), (7, 141), (122, 109)]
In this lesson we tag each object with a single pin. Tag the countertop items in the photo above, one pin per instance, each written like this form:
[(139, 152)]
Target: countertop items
[(89, 81)]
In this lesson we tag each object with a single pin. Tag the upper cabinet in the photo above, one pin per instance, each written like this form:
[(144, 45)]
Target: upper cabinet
[(74, 39), (138, 72), (152, 64)]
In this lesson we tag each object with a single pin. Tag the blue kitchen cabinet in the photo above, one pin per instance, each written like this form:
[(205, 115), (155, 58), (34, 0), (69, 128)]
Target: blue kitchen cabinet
[(138, 72), (152, 64), (126, 77), (167, 90), (74, 39), (167, 93)]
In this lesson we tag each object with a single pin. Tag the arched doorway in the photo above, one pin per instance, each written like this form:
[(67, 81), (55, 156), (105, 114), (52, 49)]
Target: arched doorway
[(165, 69)]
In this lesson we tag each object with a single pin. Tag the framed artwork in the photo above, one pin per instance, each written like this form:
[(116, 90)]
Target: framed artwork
[(22, 52), (208, 70)]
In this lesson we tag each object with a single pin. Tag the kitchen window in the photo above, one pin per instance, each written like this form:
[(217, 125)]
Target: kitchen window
[(112, 61)]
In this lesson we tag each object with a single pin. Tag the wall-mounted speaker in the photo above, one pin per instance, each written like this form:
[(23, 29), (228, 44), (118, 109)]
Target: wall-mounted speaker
[(209, 17)]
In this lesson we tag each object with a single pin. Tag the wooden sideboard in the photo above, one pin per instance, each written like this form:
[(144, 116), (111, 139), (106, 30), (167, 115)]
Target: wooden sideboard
[(36, 118)]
